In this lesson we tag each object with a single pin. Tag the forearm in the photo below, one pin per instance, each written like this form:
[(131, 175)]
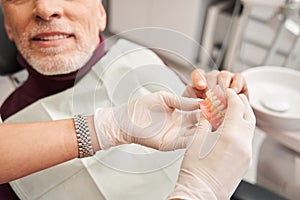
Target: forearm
[(30, 147)]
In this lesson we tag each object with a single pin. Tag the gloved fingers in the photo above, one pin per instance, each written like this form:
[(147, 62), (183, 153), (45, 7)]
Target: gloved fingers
[(181, 142), (188, 104), (180, 103), (204, 125), (224, 79), (190, 118), (249, 118), (198, 79), (189, 92), (192, 92), (181, 137), (239, 85), (201, 132), (249, 114), (235, 106), (212, 78), (188, 135)]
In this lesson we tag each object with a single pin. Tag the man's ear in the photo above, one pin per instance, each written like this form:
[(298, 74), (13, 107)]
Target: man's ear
[(103, 18), (8, 30)]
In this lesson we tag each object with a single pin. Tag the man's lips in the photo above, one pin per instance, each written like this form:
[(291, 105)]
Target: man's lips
[(52, 39), (53, 36)]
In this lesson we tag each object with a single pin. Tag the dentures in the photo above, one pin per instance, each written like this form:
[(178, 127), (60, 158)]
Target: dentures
[(213, 107)]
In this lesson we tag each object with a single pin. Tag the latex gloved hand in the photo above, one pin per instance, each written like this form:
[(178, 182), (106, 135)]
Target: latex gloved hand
[(159, 120), (201, 82), (216, 162)]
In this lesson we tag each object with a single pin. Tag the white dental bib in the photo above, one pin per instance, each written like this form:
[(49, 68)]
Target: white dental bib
[(123, 172)]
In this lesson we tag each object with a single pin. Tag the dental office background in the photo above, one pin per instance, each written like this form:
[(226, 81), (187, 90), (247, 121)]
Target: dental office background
[(234, 35)]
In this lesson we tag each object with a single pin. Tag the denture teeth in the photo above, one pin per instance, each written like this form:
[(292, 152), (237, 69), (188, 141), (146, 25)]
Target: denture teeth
[(207, 102), (216, 103), (214, 112), (215, 120), (214, 98), (53, 37), (214, 107), (209, 94), (217, 116), (221, 107)]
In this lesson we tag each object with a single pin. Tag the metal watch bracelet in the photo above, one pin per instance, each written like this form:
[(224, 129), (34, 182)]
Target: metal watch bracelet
[(85, 148)]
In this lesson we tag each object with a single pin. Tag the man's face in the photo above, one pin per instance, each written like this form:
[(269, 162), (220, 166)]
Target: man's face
[(55, 36)]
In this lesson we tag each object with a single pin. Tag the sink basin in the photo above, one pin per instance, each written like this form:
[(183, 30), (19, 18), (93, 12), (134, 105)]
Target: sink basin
[(274, 94)]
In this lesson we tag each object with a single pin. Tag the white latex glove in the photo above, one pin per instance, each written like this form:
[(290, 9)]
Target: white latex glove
[(159, 120), (216, 162)]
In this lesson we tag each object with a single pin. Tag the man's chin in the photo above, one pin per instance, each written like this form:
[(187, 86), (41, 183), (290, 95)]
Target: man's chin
[(58, 65), (50, 71)]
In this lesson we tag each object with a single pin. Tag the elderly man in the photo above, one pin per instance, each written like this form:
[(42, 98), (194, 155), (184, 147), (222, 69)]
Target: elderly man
[(69, 73)]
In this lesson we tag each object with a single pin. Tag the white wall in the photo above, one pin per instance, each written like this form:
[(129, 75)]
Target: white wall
[(181, 23)]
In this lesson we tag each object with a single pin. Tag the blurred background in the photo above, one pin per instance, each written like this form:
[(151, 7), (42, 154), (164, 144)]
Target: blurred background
[(234, 35)]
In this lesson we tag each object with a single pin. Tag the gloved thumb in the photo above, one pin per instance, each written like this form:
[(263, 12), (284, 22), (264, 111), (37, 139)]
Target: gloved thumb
[(209, 139), (204, 125), (200, 134), (180, 103)]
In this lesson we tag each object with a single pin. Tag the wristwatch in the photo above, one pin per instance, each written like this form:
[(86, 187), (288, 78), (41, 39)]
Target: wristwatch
[(85, 148)]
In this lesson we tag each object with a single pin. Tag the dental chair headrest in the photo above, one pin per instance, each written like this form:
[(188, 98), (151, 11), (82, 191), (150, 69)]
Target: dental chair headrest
[(8, 52)]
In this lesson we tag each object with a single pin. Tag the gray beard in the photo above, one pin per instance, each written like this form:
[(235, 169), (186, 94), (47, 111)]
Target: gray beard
[(58, 64), (52, 60)]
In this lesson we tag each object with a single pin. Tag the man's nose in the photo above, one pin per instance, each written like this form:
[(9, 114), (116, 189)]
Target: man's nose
[(47, 10)]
